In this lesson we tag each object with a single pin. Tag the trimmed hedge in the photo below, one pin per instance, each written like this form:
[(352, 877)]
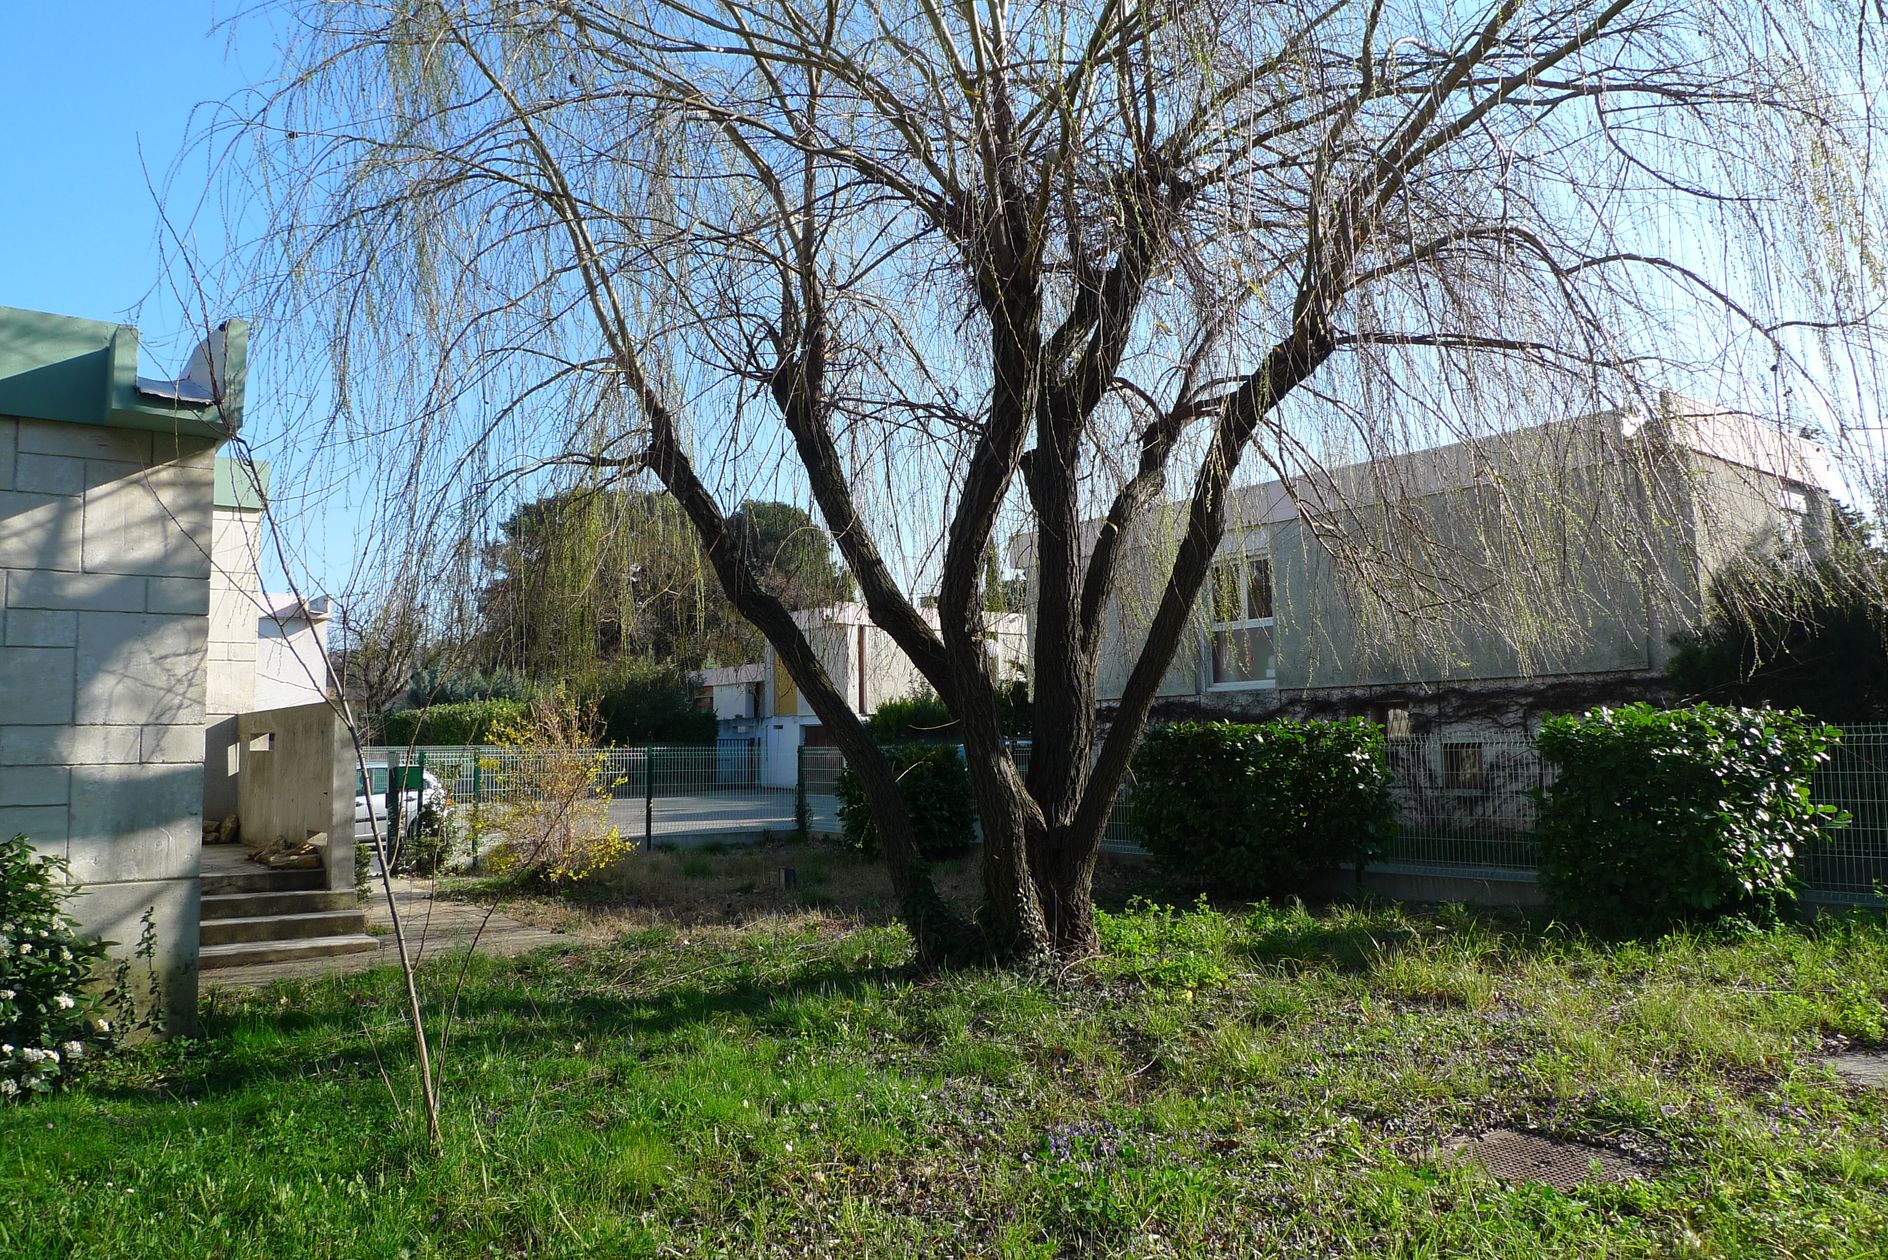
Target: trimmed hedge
[(470, 722), (1265, 809), (1667, 816), (935, 785)]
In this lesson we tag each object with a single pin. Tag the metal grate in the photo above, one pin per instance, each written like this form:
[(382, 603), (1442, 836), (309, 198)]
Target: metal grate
[(1514, 1156)]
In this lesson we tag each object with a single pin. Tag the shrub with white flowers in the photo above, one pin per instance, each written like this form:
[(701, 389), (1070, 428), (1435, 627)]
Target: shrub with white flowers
[(51, 1021)]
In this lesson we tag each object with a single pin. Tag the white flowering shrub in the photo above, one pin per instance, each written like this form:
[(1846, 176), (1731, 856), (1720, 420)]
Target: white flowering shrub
[(51, 1022)]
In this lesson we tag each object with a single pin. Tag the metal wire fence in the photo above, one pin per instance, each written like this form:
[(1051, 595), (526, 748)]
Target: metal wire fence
[(1852, 864), (819, 779), (705, 792), (1465, 802), (1461, 802)]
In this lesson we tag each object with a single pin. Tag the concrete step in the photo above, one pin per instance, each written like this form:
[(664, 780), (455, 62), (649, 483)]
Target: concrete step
[(261, 879), (249, 905), (284, 927), (223, 957)]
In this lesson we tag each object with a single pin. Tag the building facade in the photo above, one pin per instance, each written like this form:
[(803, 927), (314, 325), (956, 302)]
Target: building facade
[(1477, 585), (868, 668), (106, 488)]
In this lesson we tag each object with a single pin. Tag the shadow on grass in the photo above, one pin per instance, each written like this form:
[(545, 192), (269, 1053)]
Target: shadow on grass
[(295, 1028)]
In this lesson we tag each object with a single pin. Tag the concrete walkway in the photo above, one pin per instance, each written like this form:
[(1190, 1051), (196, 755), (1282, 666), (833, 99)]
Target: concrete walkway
[(433, 926)]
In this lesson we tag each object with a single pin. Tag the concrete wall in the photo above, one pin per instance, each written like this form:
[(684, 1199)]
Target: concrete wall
[(290, 667), (235, 596), (105, 539), (296, 783)]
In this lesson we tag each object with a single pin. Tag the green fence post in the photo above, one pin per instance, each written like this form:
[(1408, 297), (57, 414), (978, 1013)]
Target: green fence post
[(649, 797), (802, 816)]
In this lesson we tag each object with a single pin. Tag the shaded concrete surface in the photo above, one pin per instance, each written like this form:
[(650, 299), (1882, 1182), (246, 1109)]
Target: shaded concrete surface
[(1864, 1068), (688, 821), (433, 927)]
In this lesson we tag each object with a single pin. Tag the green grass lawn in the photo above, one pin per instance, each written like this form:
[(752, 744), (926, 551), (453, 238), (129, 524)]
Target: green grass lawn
[(1269, 1082)]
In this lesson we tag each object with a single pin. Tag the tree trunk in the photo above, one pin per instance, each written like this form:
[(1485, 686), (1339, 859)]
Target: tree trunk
[(1063, 863)]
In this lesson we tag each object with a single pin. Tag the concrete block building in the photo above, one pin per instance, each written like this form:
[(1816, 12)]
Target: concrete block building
[(107, 482), (265, 650), (869, 669), (1476, 586)]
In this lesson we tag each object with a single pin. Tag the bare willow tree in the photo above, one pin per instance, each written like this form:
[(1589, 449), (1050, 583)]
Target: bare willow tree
[(955, 270)]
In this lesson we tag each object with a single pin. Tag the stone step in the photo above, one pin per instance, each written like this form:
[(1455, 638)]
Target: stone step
[(284, 927), (263, 880), (249, 905), (243, 954)]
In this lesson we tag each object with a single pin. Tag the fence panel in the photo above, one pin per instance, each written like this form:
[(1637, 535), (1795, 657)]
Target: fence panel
[(1465, 800), (1852, 864), (1461, 801)]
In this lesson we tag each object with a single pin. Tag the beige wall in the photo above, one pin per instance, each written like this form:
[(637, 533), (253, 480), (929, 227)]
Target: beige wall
[(284, 797), (230, 687), (105, 539)]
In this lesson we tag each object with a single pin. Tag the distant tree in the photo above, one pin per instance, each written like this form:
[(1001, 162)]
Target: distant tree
[(790, 553), (588, 577), (1797, 632), (378, 650)]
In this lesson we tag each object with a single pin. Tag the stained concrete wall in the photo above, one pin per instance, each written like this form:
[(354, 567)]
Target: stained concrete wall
[(296, 783), (104, 599)]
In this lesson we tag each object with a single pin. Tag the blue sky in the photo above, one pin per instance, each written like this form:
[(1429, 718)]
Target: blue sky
[(102, 97), (115, 90)]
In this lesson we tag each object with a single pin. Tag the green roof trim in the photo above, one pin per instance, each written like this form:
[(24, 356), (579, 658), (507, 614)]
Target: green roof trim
[(242, 483), (85, 371)]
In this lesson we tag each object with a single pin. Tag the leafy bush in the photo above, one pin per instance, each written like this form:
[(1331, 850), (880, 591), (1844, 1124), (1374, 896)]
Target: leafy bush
[(916, 717), (471, 722), (554, 808), (922, 716), (51, 1022), (1259, 810), (935, 786), (642, 702), (1662, 816), (425, 841), (435, 685)]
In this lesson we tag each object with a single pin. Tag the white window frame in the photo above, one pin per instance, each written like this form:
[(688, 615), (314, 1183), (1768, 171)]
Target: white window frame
[(1214, 626)]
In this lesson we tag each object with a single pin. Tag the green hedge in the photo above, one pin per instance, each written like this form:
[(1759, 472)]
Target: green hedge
[(1666, 816), (1261, 810), (935, 785), (470, 722), (640, 702)]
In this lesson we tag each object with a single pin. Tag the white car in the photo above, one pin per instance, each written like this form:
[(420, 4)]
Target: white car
[(411, 801)]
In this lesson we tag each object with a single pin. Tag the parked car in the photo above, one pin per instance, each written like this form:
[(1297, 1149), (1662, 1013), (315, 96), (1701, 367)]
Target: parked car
[(433, 793)]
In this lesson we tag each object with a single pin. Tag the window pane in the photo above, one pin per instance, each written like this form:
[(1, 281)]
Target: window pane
[(1259, 588), (1242, 655), (1228, 599)]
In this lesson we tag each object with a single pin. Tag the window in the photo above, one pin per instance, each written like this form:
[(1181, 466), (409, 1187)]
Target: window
[(1793, 509), (1463, 768), (1393, 718), (1240, 638)]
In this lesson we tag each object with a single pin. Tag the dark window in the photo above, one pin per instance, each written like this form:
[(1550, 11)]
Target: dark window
[(1393, 718), (1463, 768)]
